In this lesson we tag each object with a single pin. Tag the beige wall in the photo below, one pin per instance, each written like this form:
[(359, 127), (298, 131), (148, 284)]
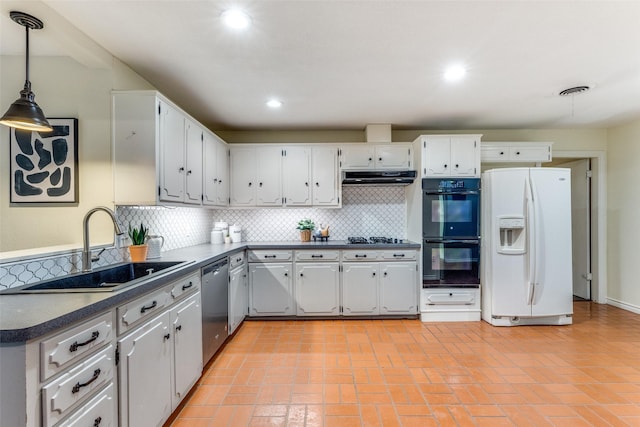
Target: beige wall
[(64, 88), (623, 213)]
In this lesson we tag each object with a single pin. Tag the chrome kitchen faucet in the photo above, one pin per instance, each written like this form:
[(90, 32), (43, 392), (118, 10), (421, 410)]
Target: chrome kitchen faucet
[(86, 251)]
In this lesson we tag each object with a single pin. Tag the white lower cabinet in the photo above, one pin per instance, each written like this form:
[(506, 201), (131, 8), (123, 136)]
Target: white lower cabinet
[(271, 290), (160, 353), (145, 374), (100, 411), (398, 290), (360, 289), (317, 283), (238, 293), (186, 322)]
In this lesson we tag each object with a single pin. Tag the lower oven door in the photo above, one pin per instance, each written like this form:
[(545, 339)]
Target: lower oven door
[(450, 263)]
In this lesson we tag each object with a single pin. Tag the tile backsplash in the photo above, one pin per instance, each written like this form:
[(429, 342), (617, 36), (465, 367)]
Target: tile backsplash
[(366, 212)]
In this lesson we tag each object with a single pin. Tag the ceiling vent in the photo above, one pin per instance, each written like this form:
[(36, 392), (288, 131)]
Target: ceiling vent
[(574, 90)]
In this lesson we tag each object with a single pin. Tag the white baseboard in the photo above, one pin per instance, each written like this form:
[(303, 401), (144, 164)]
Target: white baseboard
[(624, 305)]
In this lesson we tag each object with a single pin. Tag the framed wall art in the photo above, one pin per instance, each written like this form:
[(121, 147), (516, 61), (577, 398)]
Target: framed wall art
[(44, 165)]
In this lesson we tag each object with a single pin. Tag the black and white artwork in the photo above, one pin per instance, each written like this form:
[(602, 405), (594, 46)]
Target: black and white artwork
[(44, 165)]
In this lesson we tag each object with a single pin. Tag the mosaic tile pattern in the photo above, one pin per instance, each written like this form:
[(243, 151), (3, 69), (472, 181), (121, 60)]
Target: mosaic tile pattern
[(180, 227), (19, 273), (366, 211)]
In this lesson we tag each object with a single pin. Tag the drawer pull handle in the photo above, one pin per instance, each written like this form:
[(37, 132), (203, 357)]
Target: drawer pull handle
[(149, 307), (167, 336), (75, 345), (185, 287), (76, 388), (97, 422), (398, 255), (361, 256), (269, 256), (317, 256)]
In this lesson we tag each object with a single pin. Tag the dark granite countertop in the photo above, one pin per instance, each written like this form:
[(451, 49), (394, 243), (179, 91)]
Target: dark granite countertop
[(24, 317)]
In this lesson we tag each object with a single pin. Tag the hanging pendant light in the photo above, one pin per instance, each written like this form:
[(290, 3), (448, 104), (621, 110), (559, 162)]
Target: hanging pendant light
[(24, 113)]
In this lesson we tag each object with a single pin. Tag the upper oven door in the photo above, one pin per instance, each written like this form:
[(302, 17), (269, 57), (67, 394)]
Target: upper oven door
[(451, 208)]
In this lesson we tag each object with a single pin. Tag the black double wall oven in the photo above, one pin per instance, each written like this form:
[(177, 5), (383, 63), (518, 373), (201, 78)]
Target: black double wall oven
[(451, 232)]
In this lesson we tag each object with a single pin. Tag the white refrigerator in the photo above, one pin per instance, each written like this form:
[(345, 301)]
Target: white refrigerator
[(526, 271)]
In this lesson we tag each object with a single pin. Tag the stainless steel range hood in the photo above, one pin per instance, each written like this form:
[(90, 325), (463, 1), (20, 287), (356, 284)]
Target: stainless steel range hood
[(379, 177)]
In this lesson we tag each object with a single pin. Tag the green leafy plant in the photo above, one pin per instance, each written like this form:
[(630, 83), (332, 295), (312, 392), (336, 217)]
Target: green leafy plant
[(138, 236), (305, 224)]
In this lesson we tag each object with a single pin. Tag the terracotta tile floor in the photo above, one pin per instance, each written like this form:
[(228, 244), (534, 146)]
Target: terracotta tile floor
[(408, 373)]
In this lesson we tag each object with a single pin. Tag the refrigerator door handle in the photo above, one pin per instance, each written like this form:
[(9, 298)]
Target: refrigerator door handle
[(531, 223)]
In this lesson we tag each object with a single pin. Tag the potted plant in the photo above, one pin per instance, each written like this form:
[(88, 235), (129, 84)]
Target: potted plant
[(305, 226), (138, 248)]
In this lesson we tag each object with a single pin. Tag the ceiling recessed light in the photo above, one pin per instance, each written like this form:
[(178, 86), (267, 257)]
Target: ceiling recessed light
[(274, 103), (454, 73), (236, 19)]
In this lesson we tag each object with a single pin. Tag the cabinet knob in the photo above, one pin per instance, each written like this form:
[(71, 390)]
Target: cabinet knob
[(517, 153), (374, 273), (445, 166), (306, 184), (301, 275), (189, 172), (215, 179), (502, 153), (385, 274), (370, 159), (286, 274), (260, 184), (249, 184), (379, 159), (97, 422), (178, 328), (166, 337), (317, 184), (181, 169), (457, 166)]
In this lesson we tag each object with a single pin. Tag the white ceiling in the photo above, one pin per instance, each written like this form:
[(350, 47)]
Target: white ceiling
[(343, 64)]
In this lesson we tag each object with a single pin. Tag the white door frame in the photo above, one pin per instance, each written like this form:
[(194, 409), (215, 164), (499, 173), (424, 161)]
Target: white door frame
[(599, 183)]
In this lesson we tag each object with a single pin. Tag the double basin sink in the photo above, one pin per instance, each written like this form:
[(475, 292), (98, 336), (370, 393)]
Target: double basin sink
[(107, 279)]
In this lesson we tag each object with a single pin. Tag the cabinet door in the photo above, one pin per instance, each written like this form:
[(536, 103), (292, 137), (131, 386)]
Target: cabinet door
[(436, 156), (541, 153), (357, 157), (317, 289), (393, 156), (326, 184), (296, 176), (193, 154), (464, 152), (269, 176), (237, 298), (398, 288), (243, 176), (209, 170), (172, 170), (359, 289), (186, 319), (145, 374), (270, 290), (222, 168)]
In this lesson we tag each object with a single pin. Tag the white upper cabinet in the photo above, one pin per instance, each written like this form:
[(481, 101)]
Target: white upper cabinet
[(379, 156), (289, 175), (514, 152), (325, 182), (296, 176), (194, 136), (450, 155), (269, 176), (256, 176), (216, 171), (159, 148)]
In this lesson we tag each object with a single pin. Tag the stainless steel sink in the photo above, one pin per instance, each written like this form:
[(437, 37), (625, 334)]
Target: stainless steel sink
[(107, 279)]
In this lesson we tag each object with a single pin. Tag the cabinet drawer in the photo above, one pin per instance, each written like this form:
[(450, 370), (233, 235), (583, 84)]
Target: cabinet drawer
[(399, 255), (142, 308), (363, 255), (450, 298), (236, 259), (79, 382), (270, 256), (185, 286), (530, 154), (317, 255), (57, 352), (99, 411)]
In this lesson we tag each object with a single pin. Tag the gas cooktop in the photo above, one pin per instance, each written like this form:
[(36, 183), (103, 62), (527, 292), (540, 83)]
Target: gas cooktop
[(373, 240)]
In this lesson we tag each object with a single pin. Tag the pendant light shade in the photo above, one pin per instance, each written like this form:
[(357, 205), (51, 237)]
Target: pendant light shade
[(24, 113)]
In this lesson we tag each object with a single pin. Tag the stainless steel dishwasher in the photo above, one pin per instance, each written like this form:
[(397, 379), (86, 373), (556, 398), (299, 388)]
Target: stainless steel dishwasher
[(215, 307)]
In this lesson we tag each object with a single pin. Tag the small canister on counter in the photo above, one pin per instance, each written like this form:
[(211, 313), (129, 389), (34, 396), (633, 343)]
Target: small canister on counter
[(235, 232), (217, 237)]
